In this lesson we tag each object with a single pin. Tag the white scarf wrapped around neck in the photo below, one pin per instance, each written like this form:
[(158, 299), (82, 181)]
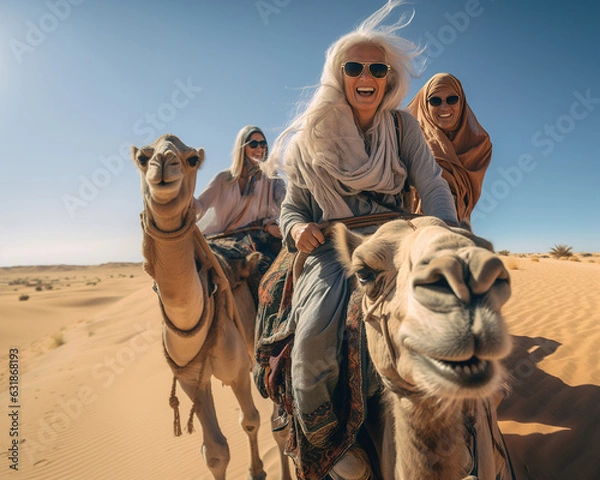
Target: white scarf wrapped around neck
[(333, 162)]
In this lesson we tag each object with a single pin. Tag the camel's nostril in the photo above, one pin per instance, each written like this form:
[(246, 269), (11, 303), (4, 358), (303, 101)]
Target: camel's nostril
[(486, 270), (442, 274)]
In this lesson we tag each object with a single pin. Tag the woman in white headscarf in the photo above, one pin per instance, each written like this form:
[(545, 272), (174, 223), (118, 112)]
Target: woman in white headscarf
[(242, 196), (342, 158)]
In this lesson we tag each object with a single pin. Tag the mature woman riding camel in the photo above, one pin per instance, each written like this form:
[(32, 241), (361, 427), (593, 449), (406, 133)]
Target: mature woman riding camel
[(349, 153)]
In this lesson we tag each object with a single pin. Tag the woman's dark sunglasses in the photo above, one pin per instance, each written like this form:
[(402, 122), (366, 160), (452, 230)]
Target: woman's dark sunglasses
[(256, 144), (355, 69), (437, 101)]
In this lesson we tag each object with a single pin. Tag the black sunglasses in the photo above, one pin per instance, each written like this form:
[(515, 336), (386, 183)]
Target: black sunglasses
[(437, 101), (256, 144), (355, 69)]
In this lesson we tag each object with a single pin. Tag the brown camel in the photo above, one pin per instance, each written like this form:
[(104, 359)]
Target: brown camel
[(208, 310), (431, 303)]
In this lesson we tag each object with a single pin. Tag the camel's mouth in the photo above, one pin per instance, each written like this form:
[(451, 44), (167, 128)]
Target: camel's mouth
[(167, 183), (473, 372), (164, 191)]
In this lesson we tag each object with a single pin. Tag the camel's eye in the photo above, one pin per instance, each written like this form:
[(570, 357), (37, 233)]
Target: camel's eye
[(142, 160), (366, 275), (193, 161)]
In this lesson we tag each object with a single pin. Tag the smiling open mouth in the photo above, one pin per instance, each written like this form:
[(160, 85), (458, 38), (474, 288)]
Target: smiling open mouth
[(365, 91), (469, 373)]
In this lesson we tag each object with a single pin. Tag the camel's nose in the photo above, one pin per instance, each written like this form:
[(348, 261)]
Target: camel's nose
[(163, 168), (486, 269), (474, 271), (156, 168)]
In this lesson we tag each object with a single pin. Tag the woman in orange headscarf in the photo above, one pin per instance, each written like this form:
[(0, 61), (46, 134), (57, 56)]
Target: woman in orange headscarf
[(459, 143)]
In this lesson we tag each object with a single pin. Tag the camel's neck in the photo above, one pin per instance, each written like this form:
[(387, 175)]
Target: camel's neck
[(429, 443), (170, 258)]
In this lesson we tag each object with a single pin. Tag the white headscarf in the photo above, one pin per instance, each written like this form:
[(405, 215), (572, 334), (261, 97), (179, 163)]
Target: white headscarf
[(342, 167)]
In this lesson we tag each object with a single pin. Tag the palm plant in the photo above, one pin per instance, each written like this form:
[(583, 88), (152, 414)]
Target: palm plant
[(560, 251)]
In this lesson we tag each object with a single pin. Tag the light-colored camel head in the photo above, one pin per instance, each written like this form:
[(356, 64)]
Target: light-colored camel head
[(168, 170), (434, 296)]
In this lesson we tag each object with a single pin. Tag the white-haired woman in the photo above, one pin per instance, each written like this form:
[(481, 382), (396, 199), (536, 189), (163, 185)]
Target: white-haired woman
[(342, 158), (242, 196)]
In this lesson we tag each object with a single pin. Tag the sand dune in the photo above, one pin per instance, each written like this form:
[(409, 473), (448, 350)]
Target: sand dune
[(94, 384)]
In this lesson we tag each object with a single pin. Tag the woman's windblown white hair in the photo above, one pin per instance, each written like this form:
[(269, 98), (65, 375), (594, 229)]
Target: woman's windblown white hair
[(329, 101)]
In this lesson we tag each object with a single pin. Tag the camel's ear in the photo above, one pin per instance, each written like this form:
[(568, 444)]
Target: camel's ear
[(479, 242), (139, 159), (244, 267), (134, 151), (345, 243), (252, 261), (200, 156)]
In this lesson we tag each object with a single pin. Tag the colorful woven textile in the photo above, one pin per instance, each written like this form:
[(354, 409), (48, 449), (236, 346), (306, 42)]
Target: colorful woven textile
[(273, 333)]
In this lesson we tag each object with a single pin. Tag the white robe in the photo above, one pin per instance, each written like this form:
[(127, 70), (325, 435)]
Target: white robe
[(221, 206)]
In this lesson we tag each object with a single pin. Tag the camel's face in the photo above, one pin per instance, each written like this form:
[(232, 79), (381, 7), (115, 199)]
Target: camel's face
[(168, 169), (435, 300)]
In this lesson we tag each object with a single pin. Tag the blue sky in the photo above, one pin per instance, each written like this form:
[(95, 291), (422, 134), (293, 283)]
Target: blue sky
[(82, 80)]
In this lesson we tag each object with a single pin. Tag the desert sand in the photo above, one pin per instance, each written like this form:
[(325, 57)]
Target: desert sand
[(93, 384)]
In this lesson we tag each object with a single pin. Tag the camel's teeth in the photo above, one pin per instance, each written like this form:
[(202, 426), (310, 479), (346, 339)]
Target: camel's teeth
[(466, 370)]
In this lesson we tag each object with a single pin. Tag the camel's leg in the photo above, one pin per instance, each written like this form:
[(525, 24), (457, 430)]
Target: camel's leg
[(250, 421), (215, 449), (281, 438)]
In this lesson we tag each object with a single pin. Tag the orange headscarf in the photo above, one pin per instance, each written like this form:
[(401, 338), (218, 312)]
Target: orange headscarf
[(463, 154)]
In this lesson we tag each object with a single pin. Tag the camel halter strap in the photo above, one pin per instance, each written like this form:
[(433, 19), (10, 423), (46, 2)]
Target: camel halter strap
[(398, 385)]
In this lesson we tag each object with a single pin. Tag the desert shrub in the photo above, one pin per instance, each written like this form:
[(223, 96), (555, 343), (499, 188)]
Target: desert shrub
[(504, 253), (535, 259), (22, 298), (560, 251), (586, 255), (58, 339), (574, 259), (512, 264), (38, 288)]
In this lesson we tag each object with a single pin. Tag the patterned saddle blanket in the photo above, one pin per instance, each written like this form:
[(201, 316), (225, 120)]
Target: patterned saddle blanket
[(273, 334)]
